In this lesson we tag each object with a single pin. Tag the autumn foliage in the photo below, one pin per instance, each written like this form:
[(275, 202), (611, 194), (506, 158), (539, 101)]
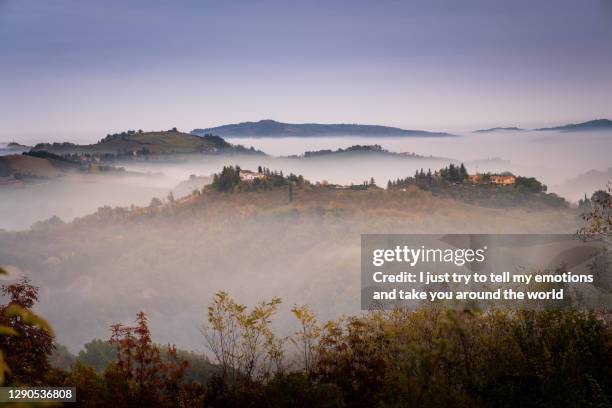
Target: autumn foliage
[(421, 358), (25, 340), (147, 378)]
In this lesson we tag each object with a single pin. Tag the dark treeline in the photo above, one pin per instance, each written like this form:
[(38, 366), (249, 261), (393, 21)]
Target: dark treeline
[(233, 178), (350, 149), (453, 175), (448, 174), (487, 189)]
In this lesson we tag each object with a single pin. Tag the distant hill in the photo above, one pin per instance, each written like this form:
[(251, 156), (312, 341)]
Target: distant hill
[(35, 166), (155, 143), (585, 183), (592, 125), (272, 128), (12, 148), (17, 146), (361, 151), (499, 129), (194, 182)]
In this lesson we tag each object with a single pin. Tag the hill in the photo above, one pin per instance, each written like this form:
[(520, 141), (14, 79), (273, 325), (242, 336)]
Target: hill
[(148, 143), (500, 129), (363, 151), (272, 128), (188, 186), (174, 256), (584, 184), (35, 166), (592, 125), (501, 190), (17, 146), (12, 148)]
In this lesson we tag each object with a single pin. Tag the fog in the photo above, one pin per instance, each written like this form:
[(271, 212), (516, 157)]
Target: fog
[(552, 157), (105, 268), (74, 196)]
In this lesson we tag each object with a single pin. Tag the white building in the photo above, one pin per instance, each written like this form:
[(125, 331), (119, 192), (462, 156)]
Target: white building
[(247, 175)]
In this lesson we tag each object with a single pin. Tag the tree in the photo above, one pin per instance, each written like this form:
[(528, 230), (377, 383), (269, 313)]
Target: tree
[(242, 341), (530, 184), (30, 342), (463, 174), (155, 203), (584, 203), (227, 179), (306, 338), (98, 354), (139, 362), (62, 358), (599, 219), (91, 388)]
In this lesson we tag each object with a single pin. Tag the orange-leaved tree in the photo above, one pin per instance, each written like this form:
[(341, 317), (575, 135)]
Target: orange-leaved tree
[(26, 340), (148, 377)]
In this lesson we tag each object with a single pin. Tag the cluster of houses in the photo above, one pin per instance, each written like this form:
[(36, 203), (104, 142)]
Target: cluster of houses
[(503, 179), (248, 175)]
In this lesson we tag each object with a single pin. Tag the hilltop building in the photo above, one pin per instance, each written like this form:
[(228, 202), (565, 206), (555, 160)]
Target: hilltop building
[(475, 178), (247, 175), (503, 179)]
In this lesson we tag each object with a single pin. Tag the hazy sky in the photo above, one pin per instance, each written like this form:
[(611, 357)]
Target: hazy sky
[(80, 69)]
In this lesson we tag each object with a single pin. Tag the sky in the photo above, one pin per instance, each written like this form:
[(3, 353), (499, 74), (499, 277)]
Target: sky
[(76, 70)]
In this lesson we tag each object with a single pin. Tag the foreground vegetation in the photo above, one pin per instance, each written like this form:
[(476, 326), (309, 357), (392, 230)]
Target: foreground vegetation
[(423, 358), (124, 259)]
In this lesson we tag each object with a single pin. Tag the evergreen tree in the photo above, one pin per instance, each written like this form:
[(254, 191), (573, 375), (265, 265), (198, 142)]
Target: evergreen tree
[(463, 174)]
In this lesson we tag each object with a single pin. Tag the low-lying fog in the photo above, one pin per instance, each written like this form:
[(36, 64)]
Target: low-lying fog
[(73, 197), (552, 157), (107, 268), (105, 271)]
